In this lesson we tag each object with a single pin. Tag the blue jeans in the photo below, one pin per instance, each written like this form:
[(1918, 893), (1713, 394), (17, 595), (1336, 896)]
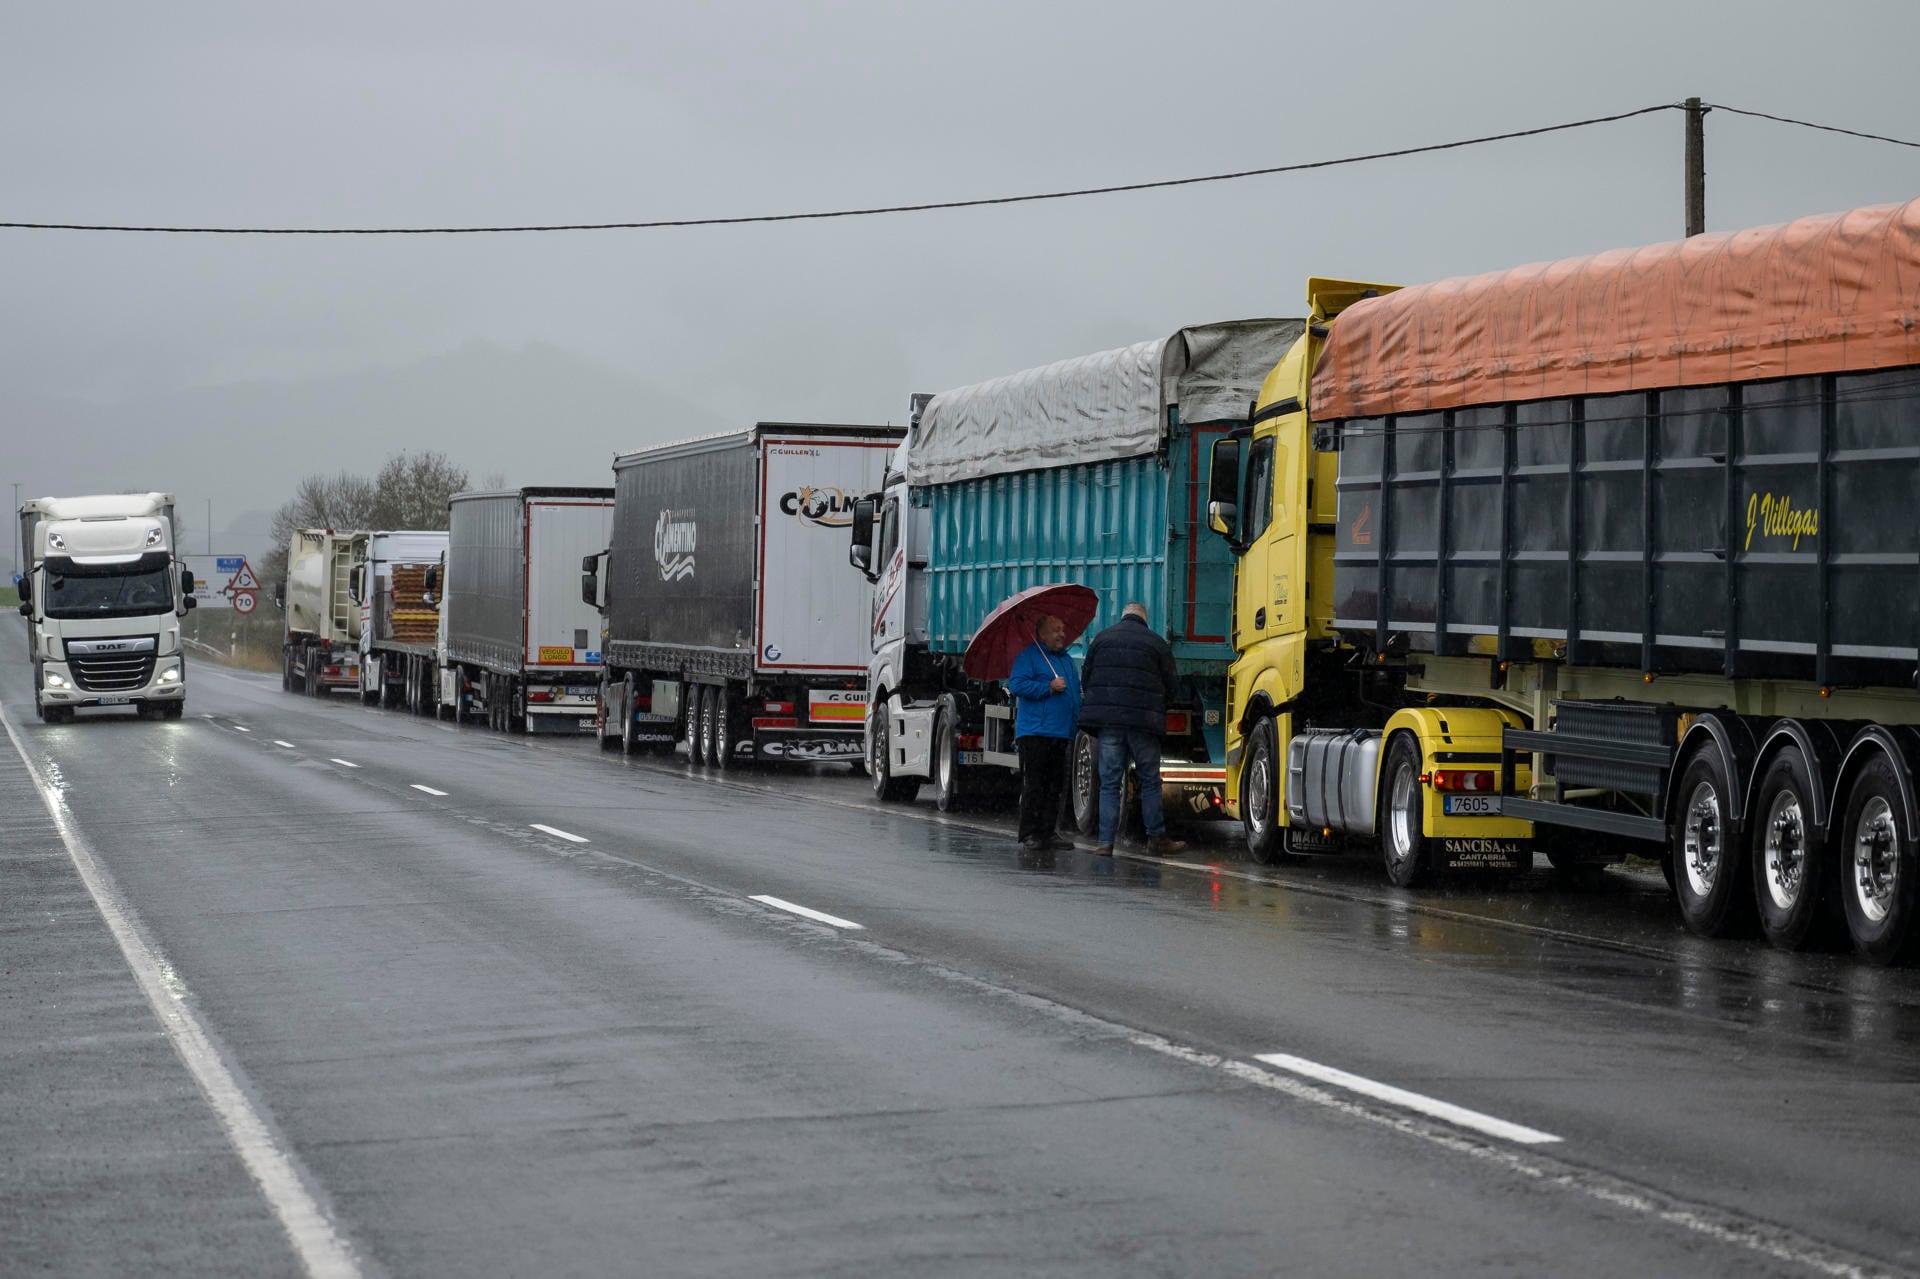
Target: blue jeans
[(1116, 744)]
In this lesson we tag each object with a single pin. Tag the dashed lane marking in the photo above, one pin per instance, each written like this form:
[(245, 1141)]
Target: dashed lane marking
[(241, 728), (1432, 1107), (807, 912), (557, 833), (429, 790), (278, 742), (344, 763)]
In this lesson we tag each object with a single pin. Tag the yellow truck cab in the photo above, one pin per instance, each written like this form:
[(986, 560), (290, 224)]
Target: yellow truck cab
[(1326, 742)]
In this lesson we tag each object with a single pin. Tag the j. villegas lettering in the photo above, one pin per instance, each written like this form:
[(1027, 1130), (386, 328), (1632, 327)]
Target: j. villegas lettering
[(1775, 516), (675, 537)]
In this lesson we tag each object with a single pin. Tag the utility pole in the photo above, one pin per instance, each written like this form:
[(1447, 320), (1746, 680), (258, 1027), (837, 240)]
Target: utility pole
[(1696, 167)]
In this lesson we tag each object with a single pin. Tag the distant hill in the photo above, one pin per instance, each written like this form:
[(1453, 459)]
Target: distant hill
[(536, 414)]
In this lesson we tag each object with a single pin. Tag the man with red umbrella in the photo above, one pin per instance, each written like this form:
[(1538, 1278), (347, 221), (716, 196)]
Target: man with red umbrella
[(1046, 693)]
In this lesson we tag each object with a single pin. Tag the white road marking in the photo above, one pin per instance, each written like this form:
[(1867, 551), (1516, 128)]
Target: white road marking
[(278, 742), (561, 834), (241, 728), (344, 763), (429, 790), (322, 1252), (822, 916), (1432, 1107)]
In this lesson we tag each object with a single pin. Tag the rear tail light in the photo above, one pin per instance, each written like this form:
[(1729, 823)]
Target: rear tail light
[(1178, 723), (968, 741), (777, 708), (540, 696), (1461, 779), (775, 721), (330, 670)]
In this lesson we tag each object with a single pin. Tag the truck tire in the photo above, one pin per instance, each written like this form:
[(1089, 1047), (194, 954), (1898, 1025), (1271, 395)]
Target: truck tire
[(57, 714), (1790, 863), (616, 721), (286, 671), (175, 710), (699, 715), (515, 708), (1403, 845), (726, 731), (1709, 880), (1260, 795), (371, 673), (1879, 868), (948, 789), (886, 787), (1083, 784), (710, 725)]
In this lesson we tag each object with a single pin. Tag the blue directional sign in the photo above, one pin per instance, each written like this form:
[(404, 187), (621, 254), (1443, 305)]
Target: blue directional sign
[(231, 563)]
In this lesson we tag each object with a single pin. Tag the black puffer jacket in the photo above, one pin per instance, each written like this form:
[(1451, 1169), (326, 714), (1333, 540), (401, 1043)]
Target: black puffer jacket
[(1127, 679)]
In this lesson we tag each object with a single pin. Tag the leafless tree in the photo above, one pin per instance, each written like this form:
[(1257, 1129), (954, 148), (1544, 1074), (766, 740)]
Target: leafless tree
[(412, 489)]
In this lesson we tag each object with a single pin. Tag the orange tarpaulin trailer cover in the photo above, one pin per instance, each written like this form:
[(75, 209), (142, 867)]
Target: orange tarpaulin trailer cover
[(1825, 294)]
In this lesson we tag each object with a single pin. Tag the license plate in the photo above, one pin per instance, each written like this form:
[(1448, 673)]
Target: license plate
[(972, 757), (583, 690), (115, 701), (1472, 805)]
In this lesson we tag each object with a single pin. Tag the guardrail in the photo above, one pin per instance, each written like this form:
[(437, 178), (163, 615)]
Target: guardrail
[(205, 648)]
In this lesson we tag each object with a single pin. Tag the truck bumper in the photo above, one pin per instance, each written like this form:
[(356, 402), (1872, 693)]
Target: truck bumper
[(807, 745), (157, 689), (1193, 792)]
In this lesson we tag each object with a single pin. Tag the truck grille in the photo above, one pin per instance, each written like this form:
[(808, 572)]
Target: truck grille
[(124, 666)]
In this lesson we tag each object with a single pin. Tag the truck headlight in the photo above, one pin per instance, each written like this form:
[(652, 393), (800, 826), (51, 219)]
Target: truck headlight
[(56, 681), (57, 542), (170, 676)]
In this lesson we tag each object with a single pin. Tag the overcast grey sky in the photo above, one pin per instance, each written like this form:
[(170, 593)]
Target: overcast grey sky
[(223, 368)]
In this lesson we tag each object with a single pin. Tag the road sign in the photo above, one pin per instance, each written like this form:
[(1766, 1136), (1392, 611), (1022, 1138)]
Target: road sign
[(243, 579), (211, 575), (243, 602), (230, 564)]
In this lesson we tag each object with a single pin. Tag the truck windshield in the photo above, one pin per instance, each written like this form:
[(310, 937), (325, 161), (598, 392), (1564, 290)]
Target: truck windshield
[(109, 591)]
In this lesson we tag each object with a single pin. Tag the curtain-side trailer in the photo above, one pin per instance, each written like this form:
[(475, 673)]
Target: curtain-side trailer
[(1620, 548), (731, 622), (521, 651)]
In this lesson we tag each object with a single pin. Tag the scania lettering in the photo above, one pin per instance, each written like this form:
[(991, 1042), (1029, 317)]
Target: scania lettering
[(103, 595)]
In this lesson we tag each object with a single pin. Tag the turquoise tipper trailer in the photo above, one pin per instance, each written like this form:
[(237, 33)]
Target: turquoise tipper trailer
[(1092, 470)]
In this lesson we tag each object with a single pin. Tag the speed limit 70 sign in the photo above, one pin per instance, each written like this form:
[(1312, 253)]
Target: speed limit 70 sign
[(243, 601)]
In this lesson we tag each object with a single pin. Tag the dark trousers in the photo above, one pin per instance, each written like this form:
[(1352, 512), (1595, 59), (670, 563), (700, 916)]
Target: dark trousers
[(1043, 774)]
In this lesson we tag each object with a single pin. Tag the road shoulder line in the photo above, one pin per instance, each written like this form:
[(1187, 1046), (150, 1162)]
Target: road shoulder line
[(322, 1252)]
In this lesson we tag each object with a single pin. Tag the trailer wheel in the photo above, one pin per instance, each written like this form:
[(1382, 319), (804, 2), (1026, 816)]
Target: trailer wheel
[(726, 737), (946, 760), (1715, 895), (697, 716), (886, 787), (710, 725), (1083, 785), (616, 719), (1789, 856), (1403, 845), (286, 671), (1880, 877), (515, 709)]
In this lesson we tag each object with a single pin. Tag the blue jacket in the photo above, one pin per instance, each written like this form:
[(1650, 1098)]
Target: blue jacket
[(1038, 710)]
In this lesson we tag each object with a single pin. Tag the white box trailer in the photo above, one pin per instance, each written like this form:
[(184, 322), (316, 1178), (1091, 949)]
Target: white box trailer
[(398, 622), (730, 621), (522, 650)]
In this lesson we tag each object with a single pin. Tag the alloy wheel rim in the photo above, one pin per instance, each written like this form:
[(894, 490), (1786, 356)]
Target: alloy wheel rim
[(1785, 851), (1400, 818), (1703, 839), (1259, 786), (1876, 860)]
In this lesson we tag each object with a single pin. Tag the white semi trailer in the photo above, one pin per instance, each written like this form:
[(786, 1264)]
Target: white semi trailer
[(103, 597)]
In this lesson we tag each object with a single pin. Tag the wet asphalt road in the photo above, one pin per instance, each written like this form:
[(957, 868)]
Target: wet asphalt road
[(479, 1047)]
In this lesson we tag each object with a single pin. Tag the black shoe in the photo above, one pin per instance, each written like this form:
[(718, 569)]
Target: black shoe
[(1104, 850), (1034, 844), (1061, 845), (1163, 846)]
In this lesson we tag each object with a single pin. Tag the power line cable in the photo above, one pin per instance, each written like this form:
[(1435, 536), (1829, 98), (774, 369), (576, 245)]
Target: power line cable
[(851, 213), (1808, 124)]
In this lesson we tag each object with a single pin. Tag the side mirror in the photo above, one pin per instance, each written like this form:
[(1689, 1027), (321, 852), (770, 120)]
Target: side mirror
[(353, 583), (187, 583), (279, 594), (26, 608), (860, 549), (1223, 490), (26, 588), (189, 603), (590, 580)]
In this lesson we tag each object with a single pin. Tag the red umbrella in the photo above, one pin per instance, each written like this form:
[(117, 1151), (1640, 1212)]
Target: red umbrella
[(1008, 630)]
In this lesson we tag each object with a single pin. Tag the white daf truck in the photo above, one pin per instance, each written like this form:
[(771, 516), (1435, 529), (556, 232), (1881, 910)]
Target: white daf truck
[(103, 598)]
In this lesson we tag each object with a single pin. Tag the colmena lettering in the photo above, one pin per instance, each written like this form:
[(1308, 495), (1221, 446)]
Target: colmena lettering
[(675, 536), (826, 507), (1774, 515)]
